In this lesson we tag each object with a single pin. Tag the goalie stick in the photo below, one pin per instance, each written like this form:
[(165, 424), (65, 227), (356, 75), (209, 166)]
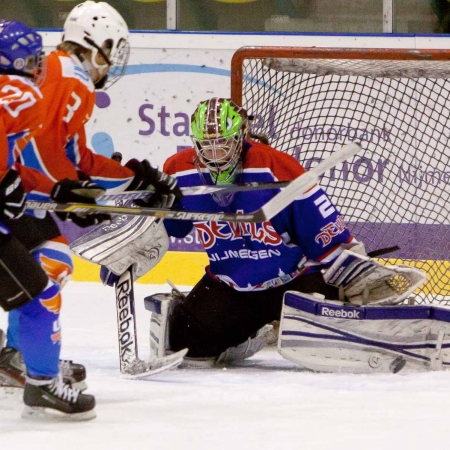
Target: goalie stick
[(131, 366), (269, 210)]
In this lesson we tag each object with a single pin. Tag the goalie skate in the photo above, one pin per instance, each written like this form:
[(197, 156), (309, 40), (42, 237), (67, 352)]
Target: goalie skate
[(142, 369)]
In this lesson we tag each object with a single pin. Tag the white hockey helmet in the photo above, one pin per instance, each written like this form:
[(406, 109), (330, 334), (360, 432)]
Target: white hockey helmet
[(98, 27)]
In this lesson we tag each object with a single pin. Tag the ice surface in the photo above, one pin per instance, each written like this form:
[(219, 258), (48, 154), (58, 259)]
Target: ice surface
[(266, 403)]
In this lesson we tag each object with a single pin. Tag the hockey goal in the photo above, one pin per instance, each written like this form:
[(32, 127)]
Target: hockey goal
[(310, 101)]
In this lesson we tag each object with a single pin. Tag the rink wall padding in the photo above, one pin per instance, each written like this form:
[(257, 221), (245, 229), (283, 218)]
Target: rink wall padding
[(186, 268), (182, 268)]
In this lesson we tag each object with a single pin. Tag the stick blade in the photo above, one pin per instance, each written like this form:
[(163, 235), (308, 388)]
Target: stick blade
[(143, 369)]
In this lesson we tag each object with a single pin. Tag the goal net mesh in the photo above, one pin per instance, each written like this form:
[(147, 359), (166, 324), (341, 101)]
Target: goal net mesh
[(396, 191)]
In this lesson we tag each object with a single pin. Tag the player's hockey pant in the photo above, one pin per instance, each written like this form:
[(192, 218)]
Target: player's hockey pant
[(214, 317), (34, 329)]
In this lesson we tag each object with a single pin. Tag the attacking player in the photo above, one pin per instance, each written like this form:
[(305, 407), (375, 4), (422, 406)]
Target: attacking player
[(93, 54), (306, 249), (30, 290)]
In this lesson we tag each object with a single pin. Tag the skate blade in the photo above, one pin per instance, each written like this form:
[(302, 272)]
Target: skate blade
[(198, 363), (39, 413), (142, 369), (80, 385)]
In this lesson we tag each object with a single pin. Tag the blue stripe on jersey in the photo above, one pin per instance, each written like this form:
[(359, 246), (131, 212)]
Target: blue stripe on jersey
[(12, 139), (72, 151), (38, 197), (80, 73), (29, 158), (111, 183)]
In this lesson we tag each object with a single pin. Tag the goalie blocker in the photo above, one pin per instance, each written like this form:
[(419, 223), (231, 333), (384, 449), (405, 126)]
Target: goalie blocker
[(329, 336)]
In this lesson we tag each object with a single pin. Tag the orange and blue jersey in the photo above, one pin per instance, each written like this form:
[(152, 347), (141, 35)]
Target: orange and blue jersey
[(33, 328), (305, 236), (61, 149)]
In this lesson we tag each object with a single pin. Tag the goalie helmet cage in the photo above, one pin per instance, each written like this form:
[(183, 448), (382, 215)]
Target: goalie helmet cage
[(309, 102)]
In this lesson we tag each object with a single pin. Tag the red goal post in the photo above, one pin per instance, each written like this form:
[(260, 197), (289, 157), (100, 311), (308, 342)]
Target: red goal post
[(310, 101)]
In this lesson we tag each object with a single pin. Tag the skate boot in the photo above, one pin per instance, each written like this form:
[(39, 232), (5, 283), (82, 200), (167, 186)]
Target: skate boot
[(73, 373), (56, 400), (2, 339), (12, 370)]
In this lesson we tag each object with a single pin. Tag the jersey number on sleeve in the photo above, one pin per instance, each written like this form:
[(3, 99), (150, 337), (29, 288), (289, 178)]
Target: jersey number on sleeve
[(16, 100), (71, 109), (325, 206)]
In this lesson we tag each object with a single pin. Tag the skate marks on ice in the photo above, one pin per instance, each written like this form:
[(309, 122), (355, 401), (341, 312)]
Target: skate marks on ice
[(11, 398)]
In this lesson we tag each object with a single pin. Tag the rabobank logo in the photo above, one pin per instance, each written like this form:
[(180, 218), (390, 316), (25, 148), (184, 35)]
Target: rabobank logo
[(341, 313)]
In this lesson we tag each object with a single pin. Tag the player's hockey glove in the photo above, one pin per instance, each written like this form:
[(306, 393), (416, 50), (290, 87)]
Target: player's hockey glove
[(79, 191), (12, 196), (166, 188)]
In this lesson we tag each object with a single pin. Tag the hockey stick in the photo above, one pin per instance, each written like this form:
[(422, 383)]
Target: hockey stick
[(191, 190), (130, 364), (269, 210), (196, 190)]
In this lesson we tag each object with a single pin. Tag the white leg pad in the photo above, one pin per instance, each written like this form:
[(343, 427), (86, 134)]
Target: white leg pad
[(328, 336), (161, 306)]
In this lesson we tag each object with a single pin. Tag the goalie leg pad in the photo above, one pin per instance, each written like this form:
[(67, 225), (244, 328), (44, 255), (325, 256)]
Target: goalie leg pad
[(328, 336), (363, 281), (161, 307), (21, 276), (127, 241)]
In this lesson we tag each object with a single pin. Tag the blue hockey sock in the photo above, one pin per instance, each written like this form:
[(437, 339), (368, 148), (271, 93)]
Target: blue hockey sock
[(13, 327), (39, 335)]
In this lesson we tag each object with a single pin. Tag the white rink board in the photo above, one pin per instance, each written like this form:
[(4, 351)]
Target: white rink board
[(169, 73)]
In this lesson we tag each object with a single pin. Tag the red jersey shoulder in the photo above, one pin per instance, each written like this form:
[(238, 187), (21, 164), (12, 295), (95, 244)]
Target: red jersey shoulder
[(21, 104), (180, 162), (283, 166), (69, 94), (63, 68)]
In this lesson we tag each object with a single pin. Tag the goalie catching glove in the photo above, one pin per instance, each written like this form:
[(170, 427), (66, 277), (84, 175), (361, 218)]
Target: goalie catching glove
[(148, 177), (78, 191), (363, 281)]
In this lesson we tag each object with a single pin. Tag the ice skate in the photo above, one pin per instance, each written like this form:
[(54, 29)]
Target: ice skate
[(2, 339), (53, 399), (12, 370)]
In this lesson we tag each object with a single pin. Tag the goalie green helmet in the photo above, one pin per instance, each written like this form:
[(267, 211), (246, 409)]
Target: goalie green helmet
[(219, 129)]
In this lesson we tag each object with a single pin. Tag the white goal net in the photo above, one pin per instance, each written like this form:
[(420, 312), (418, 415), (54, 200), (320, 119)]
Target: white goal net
[(311, 101)]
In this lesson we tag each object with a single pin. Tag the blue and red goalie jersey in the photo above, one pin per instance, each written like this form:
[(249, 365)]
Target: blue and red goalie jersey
[(305, 236)]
